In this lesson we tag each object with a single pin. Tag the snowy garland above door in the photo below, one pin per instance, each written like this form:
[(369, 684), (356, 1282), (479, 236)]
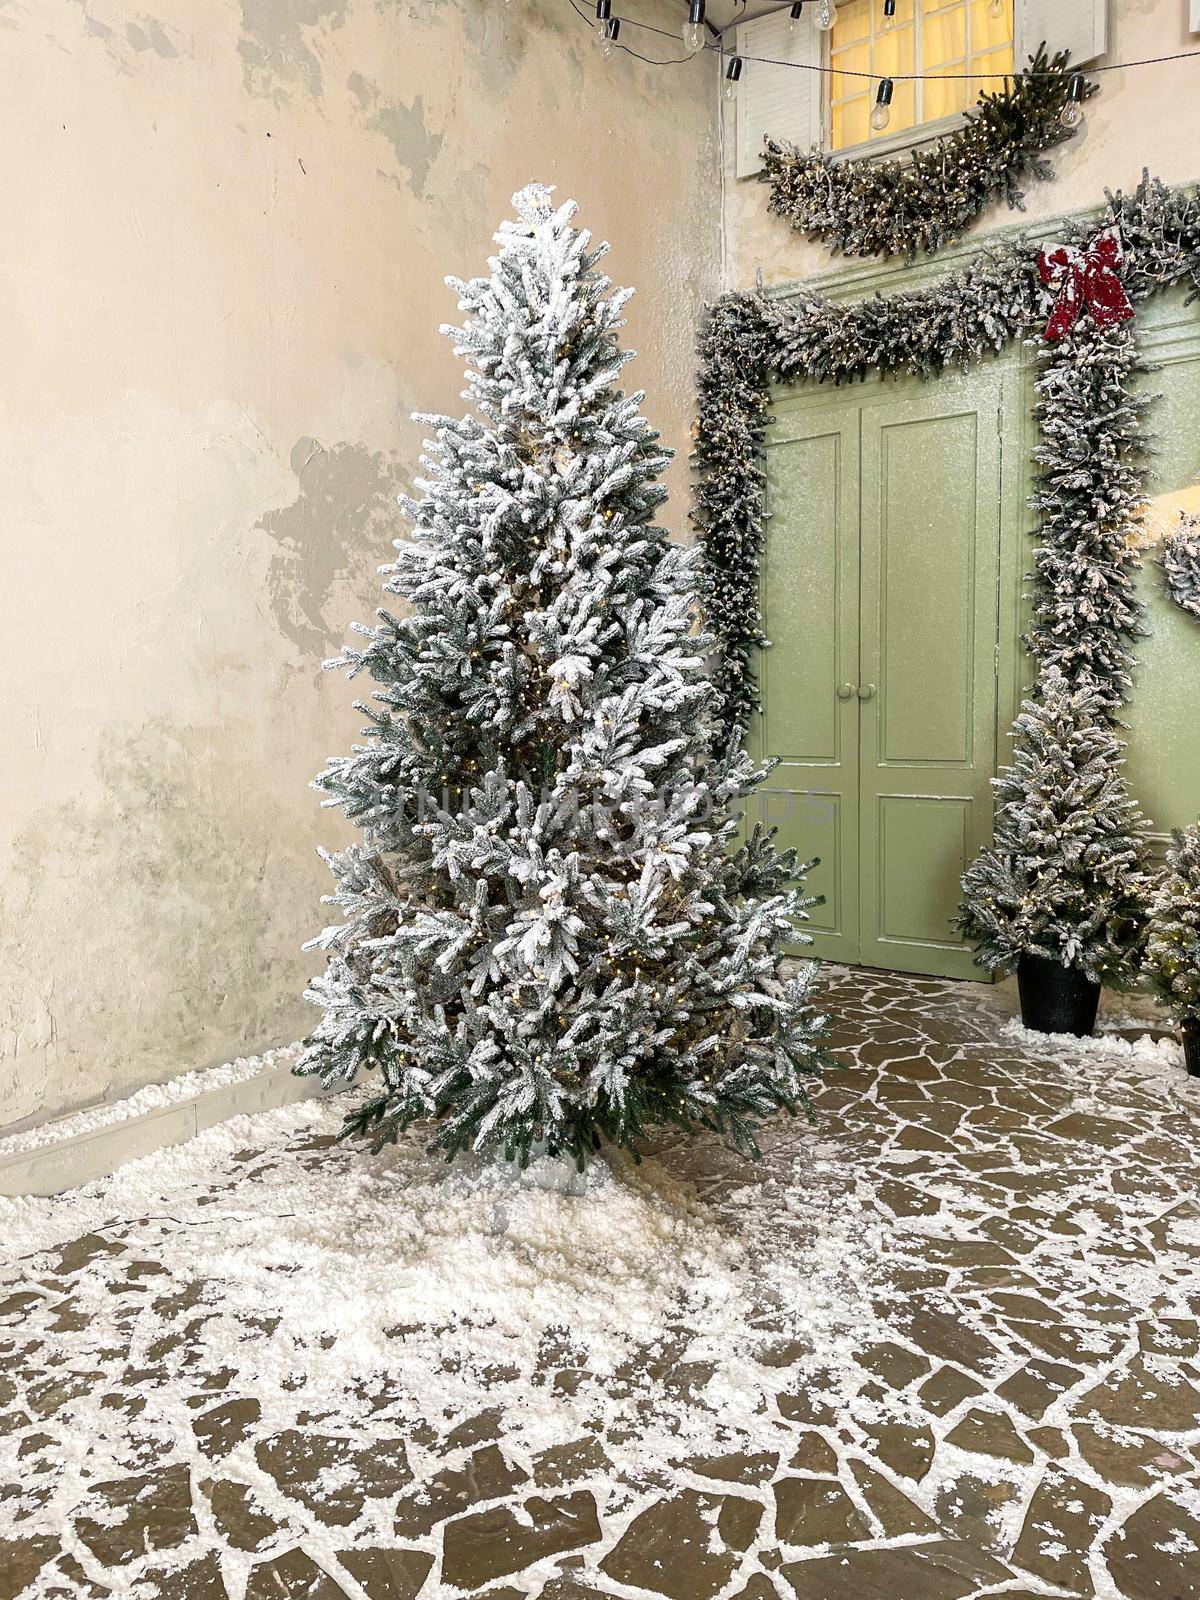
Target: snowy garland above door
[(1180, 560), (866, 207)]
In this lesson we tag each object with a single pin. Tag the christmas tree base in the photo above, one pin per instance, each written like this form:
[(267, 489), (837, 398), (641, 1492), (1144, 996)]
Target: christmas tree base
[(1056, 999), (1191, 1048), (559, 1174)]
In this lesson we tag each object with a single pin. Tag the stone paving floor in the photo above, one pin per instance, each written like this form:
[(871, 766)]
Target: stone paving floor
[(988, 1382)]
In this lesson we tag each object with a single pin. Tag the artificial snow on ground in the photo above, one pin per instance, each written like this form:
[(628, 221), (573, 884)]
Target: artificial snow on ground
[(154, 1097), (467, 1284), (690, 1307)]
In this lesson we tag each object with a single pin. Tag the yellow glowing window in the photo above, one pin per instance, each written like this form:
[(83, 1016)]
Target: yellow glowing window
[(960, 42)]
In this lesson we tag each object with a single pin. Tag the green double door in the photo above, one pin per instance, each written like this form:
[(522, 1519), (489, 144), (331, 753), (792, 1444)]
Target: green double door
[(884, 600)]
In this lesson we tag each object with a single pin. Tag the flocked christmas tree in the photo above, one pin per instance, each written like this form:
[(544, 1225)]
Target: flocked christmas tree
[(547, 933), (1173, 948), (1065, 878)]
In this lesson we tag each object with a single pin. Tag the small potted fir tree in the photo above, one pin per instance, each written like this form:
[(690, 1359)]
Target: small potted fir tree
[(1173, 947), (1060, 895)]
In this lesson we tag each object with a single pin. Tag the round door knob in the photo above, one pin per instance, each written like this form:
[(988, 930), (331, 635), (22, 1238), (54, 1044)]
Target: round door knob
[(865, 691), (846, 691)]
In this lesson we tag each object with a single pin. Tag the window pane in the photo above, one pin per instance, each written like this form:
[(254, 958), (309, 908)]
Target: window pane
[(853, 22), (997, 61), (988, 32), (903, 109), (855, 58), (850, 124), (945, 96), (944, 37), (894, 52)]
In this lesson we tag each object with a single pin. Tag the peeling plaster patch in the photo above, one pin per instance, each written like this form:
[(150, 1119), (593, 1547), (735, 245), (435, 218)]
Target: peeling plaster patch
[(149, 34), (415, 148), (277, 54), (496, 37), (346, 506), (141, 34)]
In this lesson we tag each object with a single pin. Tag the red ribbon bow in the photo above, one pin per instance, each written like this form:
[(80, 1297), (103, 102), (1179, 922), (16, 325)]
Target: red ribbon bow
[(1085, 277)]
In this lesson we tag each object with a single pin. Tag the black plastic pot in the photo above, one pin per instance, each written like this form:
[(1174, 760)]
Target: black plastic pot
[(1056, 999), (1191, 1048)]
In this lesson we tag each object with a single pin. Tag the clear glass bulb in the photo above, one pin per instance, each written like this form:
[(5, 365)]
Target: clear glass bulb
[(888, 21), (826, 15), (996, 8), (730, 88), (1071, 115), (693, 37), (881, 115)]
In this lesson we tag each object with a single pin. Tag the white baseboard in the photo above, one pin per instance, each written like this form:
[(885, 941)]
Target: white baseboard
[(66, 1163)]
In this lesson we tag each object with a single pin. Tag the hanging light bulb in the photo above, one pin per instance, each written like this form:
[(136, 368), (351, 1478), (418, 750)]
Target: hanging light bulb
[(693, 28), (826, 15), (612, 33), (732, 73), (881, 111), (889, 16), (795, 14), (603, 16), (995, 8), (1071, 115)]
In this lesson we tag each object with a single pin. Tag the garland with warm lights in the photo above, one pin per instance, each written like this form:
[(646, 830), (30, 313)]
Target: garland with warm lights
[(867, 207)]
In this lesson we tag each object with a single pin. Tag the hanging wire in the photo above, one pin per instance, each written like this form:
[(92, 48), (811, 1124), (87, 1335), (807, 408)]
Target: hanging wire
[(848, 72)]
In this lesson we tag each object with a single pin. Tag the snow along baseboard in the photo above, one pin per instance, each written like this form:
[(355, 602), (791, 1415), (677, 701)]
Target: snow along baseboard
[(57, 1163)]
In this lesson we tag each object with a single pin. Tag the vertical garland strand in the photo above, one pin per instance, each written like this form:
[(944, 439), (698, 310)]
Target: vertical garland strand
[(730, 504), (1087, 617)]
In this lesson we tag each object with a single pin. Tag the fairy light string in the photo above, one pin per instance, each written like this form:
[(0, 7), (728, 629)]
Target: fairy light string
[(716, 46)]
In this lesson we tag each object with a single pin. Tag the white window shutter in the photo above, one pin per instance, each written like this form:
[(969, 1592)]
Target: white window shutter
[(777, 100), (1194, 16), (1080, 26)]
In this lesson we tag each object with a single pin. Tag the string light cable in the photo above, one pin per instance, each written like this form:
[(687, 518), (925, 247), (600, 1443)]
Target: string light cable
[(696, 17)]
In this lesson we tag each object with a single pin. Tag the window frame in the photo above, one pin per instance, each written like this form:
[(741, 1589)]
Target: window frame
[(893, 144)]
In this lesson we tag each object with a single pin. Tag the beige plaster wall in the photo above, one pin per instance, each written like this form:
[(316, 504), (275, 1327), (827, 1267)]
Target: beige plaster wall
[(1140, 118), (226, 225)]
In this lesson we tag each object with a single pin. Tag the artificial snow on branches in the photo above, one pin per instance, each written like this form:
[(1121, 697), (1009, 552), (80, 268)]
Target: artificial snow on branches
[(1180, 560), (869, 207), (548, 934), (1173, 946), (1086, 612), (1065, 879)]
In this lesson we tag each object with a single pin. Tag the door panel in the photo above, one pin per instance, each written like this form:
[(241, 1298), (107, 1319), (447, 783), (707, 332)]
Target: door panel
[(930, 544), (810, 609)]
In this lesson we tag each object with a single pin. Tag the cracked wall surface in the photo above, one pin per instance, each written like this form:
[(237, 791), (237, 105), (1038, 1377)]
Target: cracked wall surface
[(229, 221)]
